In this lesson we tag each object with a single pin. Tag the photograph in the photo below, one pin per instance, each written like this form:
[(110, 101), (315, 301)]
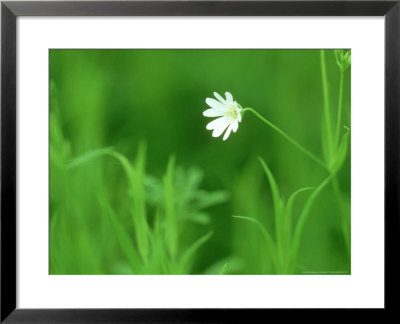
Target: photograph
[(199, 161)]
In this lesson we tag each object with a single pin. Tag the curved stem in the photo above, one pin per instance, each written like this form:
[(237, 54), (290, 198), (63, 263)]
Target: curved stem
[(327, 112), (291, 140), (340, 107)]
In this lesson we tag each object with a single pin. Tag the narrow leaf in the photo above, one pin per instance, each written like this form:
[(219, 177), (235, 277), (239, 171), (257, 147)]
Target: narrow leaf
[(171, 224), (341, 154), (194, 247), (123, 238), (223, 269), (289, 206), (137, 175), (303, 217), (278, 208), (270, 243), (274, 187), (87, 157)]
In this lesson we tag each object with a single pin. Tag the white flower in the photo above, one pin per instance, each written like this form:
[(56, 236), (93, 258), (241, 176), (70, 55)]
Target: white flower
[(228, 112)]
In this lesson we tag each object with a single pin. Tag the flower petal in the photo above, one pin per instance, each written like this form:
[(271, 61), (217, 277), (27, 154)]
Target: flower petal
[(235, 126), (212, 113), (220, 129), (229, 97), (218, 96), (239, 114), (216, 123), (228, 131), (215, 104)]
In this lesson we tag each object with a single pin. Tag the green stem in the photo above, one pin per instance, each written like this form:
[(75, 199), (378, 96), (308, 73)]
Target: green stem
[(335, 183), (291, 140), (302, 220), (344, 220), (340, 107), (327, 112)]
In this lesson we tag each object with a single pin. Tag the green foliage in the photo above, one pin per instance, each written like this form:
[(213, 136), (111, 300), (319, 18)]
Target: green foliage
[(341, 154), (191, 200), (284, 251), (268, 239), (171, 222), (157, 247), (343, 59), (138, 185)]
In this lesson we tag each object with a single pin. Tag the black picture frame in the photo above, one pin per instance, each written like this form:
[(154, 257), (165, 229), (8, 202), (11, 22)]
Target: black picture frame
[(10, 10)]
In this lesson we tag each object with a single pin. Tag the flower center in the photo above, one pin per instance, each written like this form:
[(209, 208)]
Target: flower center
[(231, 113)]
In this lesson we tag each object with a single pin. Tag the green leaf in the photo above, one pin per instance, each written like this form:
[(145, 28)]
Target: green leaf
[(171, 224), (303, 217), (136, 183), (343, 59), (228, 265), (137, 175), (159, 261), (193, 248), (89, 156), (206, 199), (340, 154), (268, 239), (223, 269), (198, 218), (189, 200), (288, 213), (278, 209), (274, 187), (53, 251), (337, 57), (123, 239), (154, 191)]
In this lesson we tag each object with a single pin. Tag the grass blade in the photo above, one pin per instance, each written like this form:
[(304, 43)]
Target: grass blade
[(288, 226), (136, 183), (159, 261), (123, 239), (341, 154), (288, 214), (270, 243), (223, 269), (278, 207), (273, 185), (171, 225), (137, 175), (193, 248), (89, 156), (53, 264), (303, 217)]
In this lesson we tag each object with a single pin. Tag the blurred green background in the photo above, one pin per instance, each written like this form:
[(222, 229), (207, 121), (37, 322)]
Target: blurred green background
[(117, 99)]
